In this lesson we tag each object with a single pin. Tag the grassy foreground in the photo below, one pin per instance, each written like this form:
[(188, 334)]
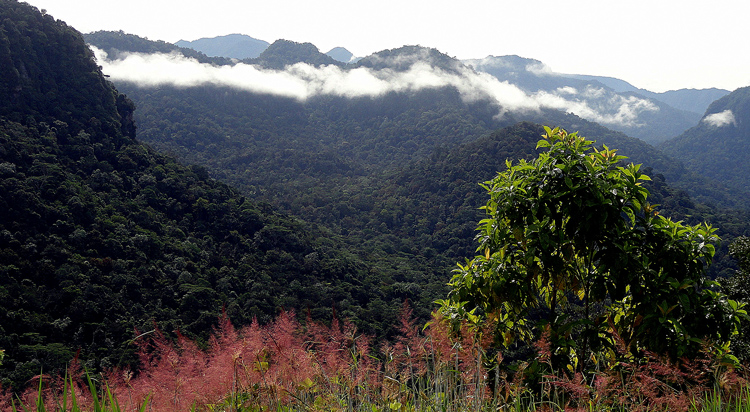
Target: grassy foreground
[(285, 366)]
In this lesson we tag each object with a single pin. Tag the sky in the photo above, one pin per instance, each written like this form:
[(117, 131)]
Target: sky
[(657, 45)]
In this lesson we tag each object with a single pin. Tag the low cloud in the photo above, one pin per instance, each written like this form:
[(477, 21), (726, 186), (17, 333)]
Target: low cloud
[(724, 118), (302, 81), (540, 69), (567, 90)]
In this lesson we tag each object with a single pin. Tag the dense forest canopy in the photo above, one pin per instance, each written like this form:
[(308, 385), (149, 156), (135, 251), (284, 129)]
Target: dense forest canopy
[(101, 235)]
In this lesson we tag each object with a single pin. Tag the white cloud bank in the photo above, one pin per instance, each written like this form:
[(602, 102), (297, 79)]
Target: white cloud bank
[(302, 81), (720, 119)]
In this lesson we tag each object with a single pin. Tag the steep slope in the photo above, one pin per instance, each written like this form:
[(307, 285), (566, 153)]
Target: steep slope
[(236, 46), (719, 146), (100, 235), (32, 84)]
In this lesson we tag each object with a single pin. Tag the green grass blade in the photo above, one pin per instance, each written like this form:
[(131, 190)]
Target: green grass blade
[(94, 395), (145, 403), (40, 398)]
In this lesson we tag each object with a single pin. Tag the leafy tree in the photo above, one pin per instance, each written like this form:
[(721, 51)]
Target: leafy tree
[(737, 287), (572, 226)]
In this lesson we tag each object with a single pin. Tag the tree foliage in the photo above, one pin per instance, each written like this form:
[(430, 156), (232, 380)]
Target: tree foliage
[(738, 287), (574, 226)]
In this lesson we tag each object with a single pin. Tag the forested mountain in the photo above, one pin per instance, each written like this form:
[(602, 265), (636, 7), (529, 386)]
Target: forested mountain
[(345, 162), (405, 58), (101, 235), (235, 46), (719, 145)]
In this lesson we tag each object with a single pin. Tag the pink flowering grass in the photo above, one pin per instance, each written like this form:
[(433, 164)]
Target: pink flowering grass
[(287, 365)]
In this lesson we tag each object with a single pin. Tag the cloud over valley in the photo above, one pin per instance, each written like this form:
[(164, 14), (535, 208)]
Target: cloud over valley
[(302, 81)]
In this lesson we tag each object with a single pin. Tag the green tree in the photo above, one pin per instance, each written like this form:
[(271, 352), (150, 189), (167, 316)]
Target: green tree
[(738, 287), (573, 226)]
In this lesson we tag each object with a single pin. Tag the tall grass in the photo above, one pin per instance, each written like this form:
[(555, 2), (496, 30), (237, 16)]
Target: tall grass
[(287, 366)]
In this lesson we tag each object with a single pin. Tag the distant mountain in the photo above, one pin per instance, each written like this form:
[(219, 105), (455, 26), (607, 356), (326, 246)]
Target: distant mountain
[(284, 53), (529, 74), (611, 102), (618, 85), (236, 46), (691, 100), (719, 146), (341, 54)]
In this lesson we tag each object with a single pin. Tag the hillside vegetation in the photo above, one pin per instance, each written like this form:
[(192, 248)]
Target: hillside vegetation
[(101, 235), (338, 208)]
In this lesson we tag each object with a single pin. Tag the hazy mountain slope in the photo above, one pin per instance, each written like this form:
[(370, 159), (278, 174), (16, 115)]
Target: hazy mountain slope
[(341, 54), (100, 235), (691, 100), (604, 100), (236, 46), (719, 146)]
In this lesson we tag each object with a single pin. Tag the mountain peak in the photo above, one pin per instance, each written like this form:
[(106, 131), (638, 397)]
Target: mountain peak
[(284, 53), (403, 58), (235, 46), (341, 54)]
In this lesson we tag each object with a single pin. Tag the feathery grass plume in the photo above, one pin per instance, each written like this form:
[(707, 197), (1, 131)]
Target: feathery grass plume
[(171, 373), (283, 366)]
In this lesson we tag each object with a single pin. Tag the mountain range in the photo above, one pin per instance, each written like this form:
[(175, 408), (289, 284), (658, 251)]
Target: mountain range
[(654, 117)]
